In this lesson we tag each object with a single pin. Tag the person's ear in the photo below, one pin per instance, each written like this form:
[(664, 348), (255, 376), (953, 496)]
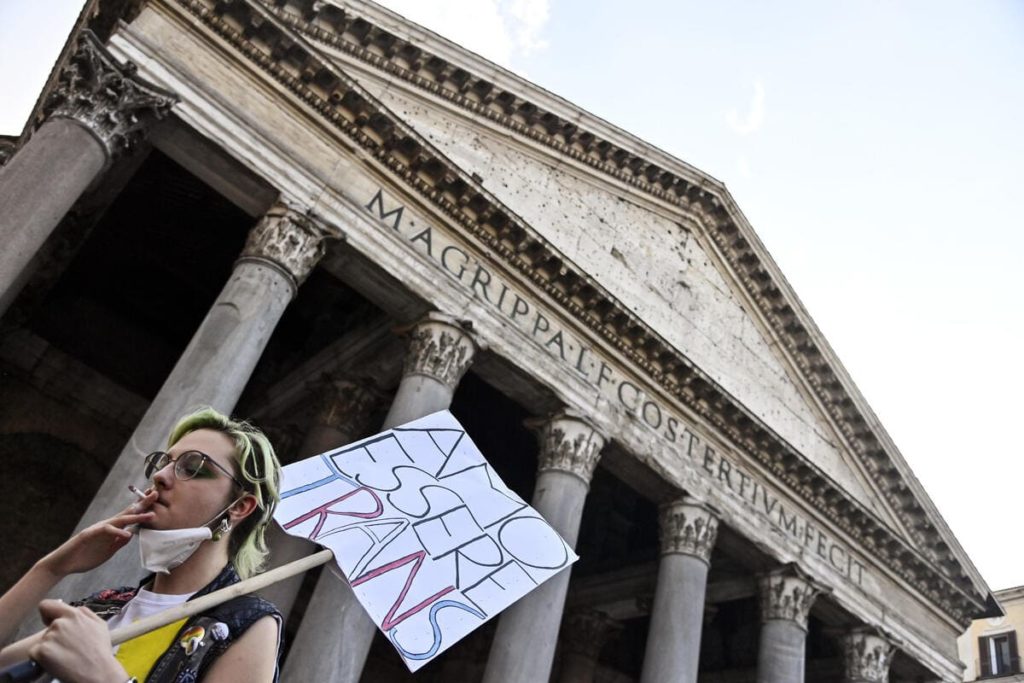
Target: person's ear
[(242, 508)]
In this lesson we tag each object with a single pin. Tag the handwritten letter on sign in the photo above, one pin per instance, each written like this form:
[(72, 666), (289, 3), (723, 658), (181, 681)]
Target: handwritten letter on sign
[(431, 540)]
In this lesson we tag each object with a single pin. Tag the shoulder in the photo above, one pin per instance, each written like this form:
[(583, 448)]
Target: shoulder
[(252, 657), (240, 613)]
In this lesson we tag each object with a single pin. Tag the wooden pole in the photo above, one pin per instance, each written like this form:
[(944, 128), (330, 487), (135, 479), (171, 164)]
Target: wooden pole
[(205, 602), (30, 670)]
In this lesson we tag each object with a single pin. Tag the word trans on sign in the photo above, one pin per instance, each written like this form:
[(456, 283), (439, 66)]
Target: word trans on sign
[(431, 540)]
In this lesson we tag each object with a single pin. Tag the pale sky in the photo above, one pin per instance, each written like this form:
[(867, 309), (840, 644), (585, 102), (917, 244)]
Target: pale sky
[(876, 148)]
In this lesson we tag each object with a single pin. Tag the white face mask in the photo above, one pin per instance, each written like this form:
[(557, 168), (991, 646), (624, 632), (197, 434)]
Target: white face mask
[(162, 551)]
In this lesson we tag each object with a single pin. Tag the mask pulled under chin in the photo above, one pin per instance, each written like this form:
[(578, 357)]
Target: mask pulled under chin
[(162, 551)]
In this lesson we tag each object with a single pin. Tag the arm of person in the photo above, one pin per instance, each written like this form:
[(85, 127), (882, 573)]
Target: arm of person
[(253, 657), (24, 596), (86, 550), (75, 646)]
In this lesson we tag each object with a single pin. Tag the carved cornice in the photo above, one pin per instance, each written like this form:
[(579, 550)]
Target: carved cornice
[(257, 35), (787, 593), (688, 527), (568, 443), (440, 347), (106, 98), (867, 656), (358, 37), (586, 632), (291, 240)]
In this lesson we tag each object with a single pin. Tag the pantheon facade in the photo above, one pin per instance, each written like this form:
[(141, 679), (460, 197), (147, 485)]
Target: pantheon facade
[(324, 218)]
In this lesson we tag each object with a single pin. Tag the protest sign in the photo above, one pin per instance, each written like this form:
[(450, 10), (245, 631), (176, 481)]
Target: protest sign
[(431, 540)]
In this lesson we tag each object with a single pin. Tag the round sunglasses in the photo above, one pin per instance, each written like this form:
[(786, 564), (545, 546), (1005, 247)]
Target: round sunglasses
[(188, 465)]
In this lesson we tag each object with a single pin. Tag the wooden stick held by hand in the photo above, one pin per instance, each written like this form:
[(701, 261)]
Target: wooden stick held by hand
[(205, 602), (30, 670)]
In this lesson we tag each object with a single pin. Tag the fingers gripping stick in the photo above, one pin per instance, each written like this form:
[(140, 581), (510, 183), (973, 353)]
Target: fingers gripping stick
[(30, 670)]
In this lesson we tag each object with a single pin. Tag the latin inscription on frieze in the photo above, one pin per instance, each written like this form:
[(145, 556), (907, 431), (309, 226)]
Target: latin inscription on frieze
[(723, 472)]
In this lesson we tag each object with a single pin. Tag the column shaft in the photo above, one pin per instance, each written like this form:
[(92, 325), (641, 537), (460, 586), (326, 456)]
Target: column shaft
[(212, 371), (524, 644), (673, 637), (440, 352), (215, 367), (416, 397), (786, 596), (97, 109), (688, 531), (343, 417), (780, 655), (38, 186)]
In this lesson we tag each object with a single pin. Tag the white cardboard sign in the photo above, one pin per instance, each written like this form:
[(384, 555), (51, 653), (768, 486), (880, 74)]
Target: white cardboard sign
[(431, 540)]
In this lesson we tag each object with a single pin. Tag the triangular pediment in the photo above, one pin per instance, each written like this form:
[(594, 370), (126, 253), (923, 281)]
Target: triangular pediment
[(656, 266), (447, 99), (591, 186)]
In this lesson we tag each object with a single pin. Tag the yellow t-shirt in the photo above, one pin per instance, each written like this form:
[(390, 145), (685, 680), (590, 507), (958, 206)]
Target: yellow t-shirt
[(138, 655)]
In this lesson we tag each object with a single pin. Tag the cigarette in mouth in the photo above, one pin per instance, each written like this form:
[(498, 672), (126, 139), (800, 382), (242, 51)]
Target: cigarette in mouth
[(134, 489)]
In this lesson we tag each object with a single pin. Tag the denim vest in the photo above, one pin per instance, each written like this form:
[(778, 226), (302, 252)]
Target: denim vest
[(188, 661)]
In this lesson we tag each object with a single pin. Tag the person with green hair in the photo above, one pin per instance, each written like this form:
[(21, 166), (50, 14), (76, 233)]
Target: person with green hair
[(201, 526)]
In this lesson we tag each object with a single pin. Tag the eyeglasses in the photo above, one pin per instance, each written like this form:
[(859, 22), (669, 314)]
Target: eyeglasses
[(188, 465)]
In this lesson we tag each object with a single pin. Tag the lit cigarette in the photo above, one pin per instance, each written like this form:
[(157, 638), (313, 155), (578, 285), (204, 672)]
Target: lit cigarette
[(136, 491)]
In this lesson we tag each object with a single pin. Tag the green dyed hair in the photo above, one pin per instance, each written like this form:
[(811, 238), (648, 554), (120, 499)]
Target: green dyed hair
[(257, 467)]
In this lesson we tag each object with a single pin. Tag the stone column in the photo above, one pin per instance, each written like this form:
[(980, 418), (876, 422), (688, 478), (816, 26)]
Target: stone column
[(524, 644), (866, 656), (786, 595), (280, 252), (688, 531), (583, 636), (345, 409), (98, 111), (440, 351)]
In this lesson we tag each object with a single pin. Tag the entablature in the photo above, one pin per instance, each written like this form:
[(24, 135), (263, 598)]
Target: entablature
[(544, 119), (264, 39)]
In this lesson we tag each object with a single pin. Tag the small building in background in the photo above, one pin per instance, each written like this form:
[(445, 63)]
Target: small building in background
[(989, 647)]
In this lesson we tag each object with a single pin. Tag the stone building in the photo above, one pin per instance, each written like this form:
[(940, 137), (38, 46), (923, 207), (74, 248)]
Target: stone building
[(327, 219), (989, 648)]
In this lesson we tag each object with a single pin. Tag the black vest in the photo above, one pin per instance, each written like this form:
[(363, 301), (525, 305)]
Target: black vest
[(188, 660)]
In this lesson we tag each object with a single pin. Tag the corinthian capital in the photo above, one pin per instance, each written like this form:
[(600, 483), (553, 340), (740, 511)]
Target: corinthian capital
[(568, 443), (105, 97), (787, 593), (866, 656), (347, 404), (688, 527), (291, 240), (587, 631), (440, 347)]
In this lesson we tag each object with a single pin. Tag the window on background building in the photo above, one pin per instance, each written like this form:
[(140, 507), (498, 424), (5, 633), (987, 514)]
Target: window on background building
[(997, 654)]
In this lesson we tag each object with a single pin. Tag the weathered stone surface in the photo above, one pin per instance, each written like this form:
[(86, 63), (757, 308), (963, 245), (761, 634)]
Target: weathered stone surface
[(867, 656), (106, 98), (787, 594), (568, 443), (441, 348), (290, 239), (291, 150), (656, 267), (687, 527)]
